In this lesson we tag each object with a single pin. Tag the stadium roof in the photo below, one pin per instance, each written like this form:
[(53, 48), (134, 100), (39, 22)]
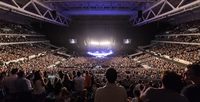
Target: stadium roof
[(99, 7)]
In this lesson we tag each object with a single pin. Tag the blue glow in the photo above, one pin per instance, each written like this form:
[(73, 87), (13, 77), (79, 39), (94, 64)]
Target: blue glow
[(99, 12), (100, 54)]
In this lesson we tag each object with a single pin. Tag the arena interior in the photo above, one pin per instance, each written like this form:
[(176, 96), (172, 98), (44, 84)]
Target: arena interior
[(99, 50)]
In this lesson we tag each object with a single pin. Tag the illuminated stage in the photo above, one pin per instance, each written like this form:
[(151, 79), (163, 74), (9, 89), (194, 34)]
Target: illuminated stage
[(100, 48), (100, 54)]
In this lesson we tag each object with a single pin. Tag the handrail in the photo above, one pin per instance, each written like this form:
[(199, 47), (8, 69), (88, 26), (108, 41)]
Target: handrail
[(173, 42), (28, 42), (38, 35), (188, 34)]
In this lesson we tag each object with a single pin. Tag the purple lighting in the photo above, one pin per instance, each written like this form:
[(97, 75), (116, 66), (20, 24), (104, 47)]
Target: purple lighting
[(99, 12), (100, 54)]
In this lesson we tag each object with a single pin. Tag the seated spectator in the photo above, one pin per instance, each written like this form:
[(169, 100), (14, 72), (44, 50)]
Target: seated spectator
[(111, 92), (172, 84), (192, 92)]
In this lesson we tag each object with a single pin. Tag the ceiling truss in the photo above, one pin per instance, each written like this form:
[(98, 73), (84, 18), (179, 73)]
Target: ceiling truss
[(144, 1), (164, 9), (34, 9)]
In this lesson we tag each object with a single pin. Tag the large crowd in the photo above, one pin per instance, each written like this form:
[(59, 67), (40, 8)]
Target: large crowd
[(186, 52), (178, 38), (81, 82), (189, 52), (13, 52), (35, 73), (21, 38), (13, 28), (185, 28)]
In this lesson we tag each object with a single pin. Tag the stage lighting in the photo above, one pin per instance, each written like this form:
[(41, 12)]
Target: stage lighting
[(95, 43), (100, 54), (105, 43), (100, 43), (127, 41), (72, 41)]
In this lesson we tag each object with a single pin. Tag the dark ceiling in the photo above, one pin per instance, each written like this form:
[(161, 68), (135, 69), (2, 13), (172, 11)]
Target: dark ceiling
[(98, 7), (85, 25), (100, 19), (100, 27)]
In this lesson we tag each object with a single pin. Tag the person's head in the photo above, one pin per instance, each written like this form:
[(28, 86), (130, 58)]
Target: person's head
[(21, 74), (142, 87), (193, 73), (1, 77), (37, 75), (111, 75), (74, 73), (172, 81), (136, 93), (86, 73), (60, 73), (64, 92), (78, 74), (14, 71), (66, 77)]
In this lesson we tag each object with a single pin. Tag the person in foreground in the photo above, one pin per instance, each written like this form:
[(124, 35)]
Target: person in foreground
[(170, 92), (192, 92), (111, 92)]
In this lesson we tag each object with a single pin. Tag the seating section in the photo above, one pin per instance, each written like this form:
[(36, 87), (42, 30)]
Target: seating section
[(56, 72), (23, 38), (177, 38), (188, 49), (26, 54), (191, 27), (10, 28), (186, 52), (13, 52)]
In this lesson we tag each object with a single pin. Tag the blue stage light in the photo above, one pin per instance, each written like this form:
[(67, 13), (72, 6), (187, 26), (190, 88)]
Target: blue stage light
[(100, 54)]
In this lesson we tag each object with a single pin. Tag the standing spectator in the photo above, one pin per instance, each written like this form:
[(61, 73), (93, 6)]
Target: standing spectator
[(39, 87), (78, 83), (24, 87), (192, 92), (2, 91), (57, 85), (140, 87), (136, 94), (172, 84), (67, 83), (87, 83), (111, 92), (10, 87), (64, 95)]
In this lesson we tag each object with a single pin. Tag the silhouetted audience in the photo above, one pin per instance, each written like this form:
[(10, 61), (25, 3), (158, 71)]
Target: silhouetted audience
[(170, 92), (111, 92), (192, 92)]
